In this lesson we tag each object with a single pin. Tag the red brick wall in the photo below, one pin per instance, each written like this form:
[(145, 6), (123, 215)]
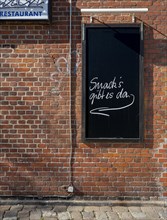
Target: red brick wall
[(35, 151)]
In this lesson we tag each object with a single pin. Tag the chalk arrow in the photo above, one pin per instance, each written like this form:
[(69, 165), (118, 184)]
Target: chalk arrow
[(102, 110)]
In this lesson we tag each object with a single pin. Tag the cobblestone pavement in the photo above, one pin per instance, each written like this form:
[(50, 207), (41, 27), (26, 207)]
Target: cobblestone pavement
[(77, 211)]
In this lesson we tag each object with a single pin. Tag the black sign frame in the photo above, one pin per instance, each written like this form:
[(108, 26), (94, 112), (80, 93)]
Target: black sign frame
[(87, 123)]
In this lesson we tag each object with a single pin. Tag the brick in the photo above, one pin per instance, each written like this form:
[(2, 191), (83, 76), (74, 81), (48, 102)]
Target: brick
[(23, 214), (10, 215), (101, 215), (60, 208), (64, 216), (120, 209), (10, 218), (76, 215), (49, 213), (91, 209), (4, 208), (75, 208), (88, 215), (36, 120), (50, 218), (150, 212), (35, 214), (105, 209), (139, 215), (112, 215)]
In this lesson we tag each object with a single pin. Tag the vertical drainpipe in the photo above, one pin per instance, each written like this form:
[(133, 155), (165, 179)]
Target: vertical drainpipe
[(70, 93)]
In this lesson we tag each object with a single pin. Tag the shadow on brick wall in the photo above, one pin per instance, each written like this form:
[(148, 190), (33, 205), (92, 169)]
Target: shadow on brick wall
[(110, 158)]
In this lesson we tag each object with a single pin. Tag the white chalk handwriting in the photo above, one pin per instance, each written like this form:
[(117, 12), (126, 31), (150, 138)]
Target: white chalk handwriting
[(113, 91), (64, 66)]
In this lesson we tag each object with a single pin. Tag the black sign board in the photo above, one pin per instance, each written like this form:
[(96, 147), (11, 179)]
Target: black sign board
[(113, 82)]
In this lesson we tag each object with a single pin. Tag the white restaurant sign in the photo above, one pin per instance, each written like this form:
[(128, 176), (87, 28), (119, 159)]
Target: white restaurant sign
[(24, 9)]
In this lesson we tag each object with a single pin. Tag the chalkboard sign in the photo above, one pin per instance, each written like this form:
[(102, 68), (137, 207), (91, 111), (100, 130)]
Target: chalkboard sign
[(112, 82)]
